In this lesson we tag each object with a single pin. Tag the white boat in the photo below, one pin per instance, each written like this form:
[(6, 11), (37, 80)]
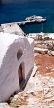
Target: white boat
[(33, 17)]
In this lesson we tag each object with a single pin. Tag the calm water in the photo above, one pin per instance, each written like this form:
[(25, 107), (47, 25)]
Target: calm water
[(18, 12)]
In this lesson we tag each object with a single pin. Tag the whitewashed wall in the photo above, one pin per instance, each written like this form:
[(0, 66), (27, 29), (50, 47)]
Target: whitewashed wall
[(9, 63)]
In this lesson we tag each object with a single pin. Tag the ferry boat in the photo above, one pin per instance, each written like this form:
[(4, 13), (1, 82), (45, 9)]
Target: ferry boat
[(36, 18)]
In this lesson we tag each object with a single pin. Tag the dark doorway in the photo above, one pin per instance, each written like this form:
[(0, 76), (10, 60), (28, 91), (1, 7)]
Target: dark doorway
[(21, 77), (20, 74)]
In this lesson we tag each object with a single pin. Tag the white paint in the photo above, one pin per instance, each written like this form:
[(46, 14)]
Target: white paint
[(12, 28), (4, 105), (9, 63)]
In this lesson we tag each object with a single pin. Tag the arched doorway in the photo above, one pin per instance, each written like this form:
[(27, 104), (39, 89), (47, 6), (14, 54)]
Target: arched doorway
[(21, 75), (19, 53)]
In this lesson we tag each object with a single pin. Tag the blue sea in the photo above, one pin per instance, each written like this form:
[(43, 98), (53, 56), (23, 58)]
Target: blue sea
[(18, 12)]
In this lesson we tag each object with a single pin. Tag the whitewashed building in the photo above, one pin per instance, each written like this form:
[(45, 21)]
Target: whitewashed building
[(12, 28), (16, 63)]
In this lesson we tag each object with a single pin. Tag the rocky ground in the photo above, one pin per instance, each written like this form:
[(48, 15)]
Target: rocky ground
[(39, 91)]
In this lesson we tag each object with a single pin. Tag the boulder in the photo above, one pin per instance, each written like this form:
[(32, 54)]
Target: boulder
[(51, 52), (50, 46)]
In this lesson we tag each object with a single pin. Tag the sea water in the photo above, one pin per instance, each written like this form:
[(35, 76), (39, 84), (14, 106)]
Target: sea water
[(18, 12)]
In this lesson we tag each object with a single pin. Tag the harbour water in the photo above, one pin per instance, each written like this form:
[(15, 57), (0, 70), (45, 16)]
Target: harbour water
[(18, 12)]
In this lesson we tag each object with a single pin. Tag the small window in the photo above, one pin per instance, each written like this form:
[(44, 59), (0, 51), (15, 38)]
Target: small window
[(19, 54)]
